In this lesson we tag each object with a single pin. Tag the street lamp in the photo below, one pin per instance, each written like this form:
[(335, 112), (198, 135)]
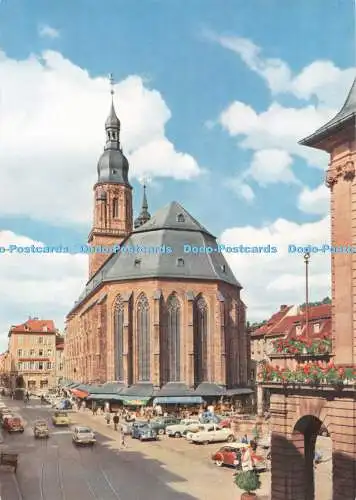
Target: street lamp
[(306, 261)]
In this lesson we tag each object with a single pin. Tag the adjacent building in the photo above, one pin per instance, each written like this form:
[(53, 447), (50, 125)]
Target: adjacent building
[(151, 313), (32, 353), (283, 333), (59, 368)]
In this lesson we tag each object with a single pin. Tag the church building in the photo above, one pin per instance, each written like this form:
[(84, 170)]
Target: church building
[(152, 314)]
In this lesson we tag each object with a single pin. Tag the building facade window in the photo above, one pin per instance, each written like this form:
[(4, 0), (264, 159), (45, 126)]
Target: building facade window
[(119, 338), (143, 338), (200, 341), (19, 352), (32, 352), (40, 340), (173, 338)]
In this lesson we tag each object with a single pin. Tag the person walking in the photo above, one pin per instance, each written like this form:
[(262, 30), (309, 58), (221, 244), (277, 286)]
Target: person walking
[(123, 440), (116, 420), (107, 417)]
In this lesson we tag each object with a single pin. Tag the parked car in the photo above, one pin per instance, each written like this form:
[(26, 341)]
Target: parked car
[(63, 404), (202, 427), (4, 412), (40, 429), (213, 435), (13, 424), (60, 418), (83, 435), (229, 455), (184, 426), (144, 432), (160, 424)]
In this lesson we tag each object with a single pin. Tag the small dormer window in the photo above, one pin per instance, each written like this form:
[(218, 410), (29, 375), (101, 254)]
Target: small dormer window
[(44, 329), (316, 327), (137, 262), (180, 218), (223, 268), (180, 262)]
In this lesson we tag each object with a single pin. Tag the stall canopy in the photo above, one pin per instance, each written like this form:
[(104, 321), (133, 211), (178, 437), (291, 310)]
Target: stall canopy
[(174, 400), (106, 392), (104, 397), (134, 401), (239, 391)]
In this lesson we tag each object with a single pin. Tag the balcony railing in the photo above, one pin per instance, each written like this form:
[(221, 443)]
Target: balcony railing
[(301, 347), (308, 373)]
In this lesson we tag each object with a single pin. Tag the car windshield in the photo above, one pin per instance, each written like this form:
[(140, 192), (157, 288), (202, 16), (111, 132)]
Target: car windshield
[(41, 424), (61, 414), (84, 430)]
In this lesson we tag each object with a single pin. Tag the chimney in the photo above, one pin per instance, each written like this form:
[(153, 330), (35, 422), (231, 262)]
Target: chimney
[(283, 307)]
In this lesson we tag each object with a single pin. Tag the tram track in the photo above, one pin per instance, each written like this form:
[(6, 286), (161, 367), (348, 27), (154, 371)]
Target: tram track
[(98, 467)]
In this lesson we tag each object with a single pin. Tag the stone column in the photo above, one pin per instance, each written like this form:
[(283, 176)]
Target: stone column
[(189, 339), (155, 343), (126, 344), (259, 400)]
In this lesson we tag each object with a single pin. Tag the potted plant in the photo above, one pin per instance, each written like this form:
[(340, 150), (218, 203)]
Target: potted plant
[(248, 481)]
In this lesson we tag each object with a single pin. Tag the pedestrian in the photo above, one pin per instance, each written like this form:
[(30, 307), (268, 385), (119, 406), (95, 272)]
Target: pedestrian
[(107, 417), (116, 420), (123, 441)]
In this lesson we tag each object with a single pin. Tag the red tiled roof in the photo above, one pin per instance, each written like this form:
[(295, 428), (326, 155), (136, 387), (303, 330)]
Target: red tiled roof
[(281, 324), (34, 325)]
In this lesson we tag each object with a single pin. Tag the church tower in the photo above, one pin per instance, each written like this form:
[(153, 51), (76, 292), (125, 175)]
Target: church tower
[(112, 194)]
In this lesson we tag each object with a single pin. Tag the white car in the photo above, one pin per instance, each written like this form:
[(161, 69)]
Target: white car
[(83, 435), (201, 428), (213, 435), (185, 425)]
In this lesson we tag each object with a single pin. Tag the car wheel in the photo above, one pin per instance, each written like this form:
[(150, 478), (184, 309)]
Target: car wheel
[(231, 439), (219, 463), (161, 432), (177, 435)]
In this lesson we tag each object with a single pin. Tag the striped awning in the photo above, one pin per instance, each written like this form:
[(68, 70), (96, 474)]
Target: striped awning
[(176, 400), (80, 394)]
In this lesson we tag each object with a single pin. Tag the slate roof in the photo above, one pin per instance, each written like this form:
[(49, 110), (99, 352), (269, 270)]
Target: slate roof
[(208, 389), (145, 389), (347, 112), (175, 389), (173, 227)]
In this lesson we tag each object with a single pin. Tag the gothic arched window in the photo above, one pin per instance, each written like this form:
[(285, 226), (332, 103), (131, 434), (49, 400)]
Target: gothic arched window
[(143, 338), (115, 208), (119, 338), (173, 338), (200, 340)]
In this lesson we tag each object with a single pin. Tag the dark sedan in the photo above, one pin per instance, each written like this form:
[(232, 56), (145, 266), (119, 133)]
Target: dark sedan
[(159, 424), (143, 432)]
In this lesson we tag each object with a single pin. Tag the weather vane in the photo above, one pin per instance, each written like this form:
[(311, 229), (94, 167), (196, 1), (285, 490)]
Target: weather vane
[(112, 83)]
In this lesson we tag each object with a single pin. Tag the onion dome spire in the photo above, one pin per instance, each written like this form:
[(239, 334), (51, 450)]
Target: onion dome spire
[(144, 214), (113, 166)]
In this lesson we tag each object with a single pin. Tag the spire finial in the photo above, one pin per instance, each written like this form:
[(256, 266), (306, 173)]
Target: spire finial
[(112, 83)]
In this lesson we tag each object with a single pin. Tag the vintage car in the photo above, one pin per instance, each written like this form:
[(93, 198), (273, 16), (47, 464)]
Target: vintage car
[(231, 455), (213, 434), (83, 435), (202, 427), (4, 412), (40, 429), (143, 432), (183, 427), (13, 423), (60, 418), (160, 424)]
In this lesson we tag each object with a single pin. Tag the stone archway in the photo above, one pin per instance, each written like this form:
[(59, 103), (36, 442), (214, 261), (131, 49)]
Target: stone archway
[(304, 436)]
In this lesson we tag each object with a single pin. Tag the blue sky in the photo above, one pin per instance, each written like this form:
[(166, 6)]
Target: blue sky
[(184, 54)]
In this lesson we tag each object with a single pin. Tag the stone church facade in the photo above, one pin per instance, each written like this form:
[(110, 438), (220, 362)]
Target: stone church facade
[(151, 312)]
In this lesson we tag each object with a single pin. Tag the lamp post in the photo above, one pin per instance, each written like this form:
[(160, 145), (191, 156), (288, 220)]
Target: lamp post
[(306, 261)]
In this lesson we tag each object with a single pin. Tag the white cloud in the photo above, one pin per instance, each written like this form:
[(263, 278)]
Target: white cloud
[(276, 128), (270, 280), (270, 166), (52, 134), (314, 201), (43, 285), (321, 79), (46, 31), (241, 189)]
